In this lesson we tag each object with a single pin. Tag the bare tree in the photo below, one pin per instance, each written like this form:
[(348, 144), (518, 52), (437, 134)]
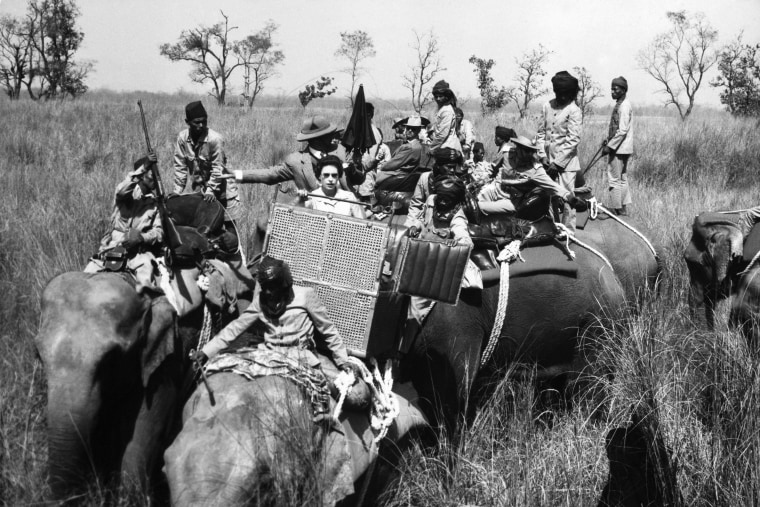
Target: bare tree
[(589, 91), (355, 47), (259, 59), (678, 59), (492, 98), (55, 39), (208, 49), (15, 55), (530, 73), (424, 70)]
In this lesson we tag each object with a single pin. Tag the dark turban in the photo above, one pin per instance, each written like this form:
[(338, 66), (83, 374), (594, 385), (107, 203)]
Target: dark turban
[(453, 188), (195, 110), (506, 133), (446, 156), (564, 82), (273, 270), (478, 146), (441, 87), (621, 82)]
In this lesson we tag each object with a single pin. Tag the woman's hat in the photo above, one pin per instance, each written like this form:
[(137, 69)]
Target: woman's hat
[(525, 142), (412, 121)]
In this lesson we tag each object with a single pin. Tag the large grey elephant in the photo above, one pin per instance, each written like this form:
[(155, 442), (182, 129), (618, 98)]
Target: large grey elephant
[(547, 317), (115, 363), (257, 445), (714, 257), (638, 268)]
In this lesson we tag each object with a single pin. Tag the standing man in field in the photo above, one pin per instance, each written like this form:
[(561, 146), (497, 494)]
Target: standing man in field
[(619, 147), (199, 155), (559, 133)]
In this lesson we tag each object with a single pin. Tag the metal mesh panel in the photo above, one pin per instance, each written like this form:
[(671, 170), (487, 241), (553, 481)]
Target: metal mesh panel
[(339, 258)]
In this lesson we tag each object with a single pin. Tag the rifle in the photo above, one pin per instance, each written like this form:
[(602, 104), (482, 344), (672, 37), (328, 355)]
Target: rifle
[(171, 236)]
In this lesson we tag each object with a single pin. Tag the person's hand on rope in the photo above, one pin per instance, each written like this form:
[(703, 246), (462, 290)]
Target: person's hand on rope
[(302, 194), (352, 368), (413, 231), (198, 358), (209, 197), (577, 203)]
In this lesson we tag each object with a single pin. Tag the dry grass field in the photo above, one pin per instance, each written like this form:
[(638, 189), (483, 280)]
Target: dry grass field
[(61, 161)]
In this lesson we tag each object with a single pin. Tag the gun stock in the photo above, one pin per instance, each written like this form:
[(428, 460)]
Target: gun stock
[(171, 236)]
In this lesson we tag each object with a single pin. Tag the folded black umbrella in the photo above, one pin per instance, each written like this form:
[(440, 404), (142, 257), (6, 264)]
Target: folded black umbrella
[(358, 134)]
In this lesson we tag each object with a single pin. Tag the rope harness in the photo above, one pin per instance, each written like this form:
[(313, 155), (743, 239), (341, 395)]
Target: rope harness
[(570, 237), (385, 406), (630, 228)]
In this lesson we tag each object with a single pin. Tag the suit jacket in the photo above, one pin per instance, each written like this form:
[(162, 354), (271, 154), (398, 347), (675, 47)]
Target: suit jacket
[(622, 139), (559, 134), (298, 167)]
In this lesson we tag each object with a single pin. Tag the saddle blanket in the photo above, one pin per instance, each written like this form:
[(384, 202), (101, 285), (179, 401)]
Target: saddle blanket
[(538, 259)]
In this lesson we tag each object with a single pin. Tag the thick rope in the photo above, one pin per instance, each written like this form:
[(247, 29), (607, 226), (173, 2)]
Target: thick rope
[(385, 406), (571, 237), (630, 228), (751, 263), (593, 208), (207, 328), (507, 255)]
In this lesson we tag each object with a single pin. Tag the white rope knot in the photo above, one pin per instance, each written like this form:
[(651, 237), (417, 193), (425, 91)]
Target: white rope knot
[(385, 407), (567, 236), (593, 208), (511, 252)]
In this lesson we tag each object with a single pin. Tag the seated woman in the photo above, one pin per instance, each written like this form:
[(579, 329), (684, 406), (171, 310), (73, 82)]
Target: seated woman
[(523, 174), (288, 317), (329, 170)]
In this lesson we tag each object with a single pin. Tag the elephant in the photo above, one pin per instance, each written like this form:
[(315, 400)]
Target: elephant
[(548, 315), (115, 363), (714, 257), (638, 268), (256, 444)]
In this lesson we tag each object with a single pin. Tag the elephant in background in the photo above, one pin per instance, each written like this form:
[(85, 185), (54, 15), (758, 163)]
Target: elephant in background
[(714, 257), (637, 267), (115, 363), (547, 317), (258, 446)]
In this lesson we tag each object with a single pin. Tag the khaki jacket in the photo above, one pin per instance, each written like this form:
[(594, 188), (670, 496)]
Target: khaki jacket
[(559, 134), (621, 140)]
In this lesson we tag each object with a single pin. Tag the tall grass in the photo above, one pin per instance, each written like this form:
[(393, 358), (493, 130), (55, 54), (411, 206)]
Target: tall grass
[(60, 165)]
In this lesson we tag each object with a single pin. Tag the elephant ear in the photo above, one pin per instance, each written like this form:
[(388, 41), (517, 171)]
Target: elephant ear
[(160, 332)]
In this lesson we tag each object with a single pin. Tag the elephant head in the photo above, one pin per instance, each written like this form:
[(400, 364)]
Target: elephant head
[(713, 256), (257, 445), (114, 363)]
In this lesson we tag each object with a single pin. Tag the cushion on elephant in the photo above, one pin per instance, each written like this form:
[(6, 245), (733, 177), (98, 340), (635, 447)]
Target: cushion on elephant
[(713, 217), (192, 210), (538, 259)]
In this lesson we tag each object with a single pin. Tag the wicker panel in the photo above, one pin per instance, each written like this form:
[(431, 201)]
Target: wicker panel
[(339, 258), (352, 254), (350, 311), (298, 239)]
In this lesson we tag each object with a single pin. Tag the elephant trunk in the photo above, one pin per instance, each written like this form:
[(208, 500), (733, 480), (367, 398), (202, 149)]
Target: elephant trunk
[(72, 419)]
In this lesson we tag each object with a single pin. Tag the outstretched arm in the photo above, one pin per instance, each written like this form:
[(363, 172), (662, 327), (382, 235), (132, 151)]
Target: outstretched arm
[(322, 323)]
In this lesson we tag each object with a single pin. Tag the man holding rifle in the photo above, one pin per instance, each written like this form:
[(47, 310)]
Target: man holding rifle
[(137, 233)]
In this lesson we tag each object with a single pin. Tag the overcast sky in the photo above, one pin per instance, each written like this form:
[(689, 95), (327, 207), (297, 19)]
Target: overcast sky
[(123, 38)]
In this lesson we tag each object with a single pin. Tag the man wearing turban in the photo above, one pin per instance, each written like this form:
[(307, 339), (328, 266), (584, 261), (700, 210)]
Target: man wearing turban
[(559, 133), (619, 147)]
